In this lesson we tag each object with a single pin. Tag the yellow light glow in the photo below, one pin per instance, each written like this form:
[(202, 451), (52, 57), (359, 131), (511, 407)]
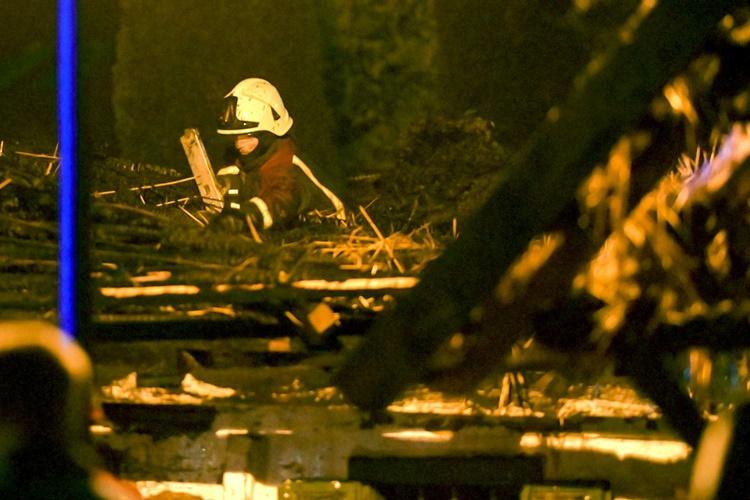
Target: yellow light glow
[(457, 341), (652, 450), (583, 5), (277, 432), (148, 291), (710, 458), (420, 436), (627, 31), (531, 440), (611, 317), (635, 233), (701, 367), (630, 408), (157, 488), (280, 344), (358, 284), (717, 254), (231, 432), (537, 253), (437, 404), (234, 485), (100, 429), (247, 288), (152, 276), (740, 34)]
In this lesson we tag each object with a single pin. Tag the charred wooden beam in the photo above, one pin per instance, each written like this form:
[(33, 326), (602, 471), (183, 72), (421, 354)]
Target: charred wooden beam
[(152, 328), (541, 181), (659, 385), (304, 290)]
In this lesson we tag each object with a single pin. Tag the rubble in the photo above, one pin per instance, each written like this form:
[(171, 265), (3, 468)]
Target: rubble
[(210, 342)]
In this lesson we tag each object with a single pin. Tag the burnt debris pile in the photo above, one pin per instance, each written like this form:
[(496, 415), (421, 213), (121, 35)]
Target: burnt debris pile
[(154, 257)]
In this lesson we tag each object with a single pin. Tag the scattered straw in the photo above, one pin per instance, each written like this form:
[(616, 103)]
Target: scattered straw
[(253, 231), (383, 242), (54, 163), (193, 217), (35, 155)]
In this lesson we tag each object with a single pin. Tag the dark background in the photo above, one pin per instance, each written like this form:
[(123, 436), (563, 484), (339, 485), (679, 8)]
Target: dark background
[(353, 73), (28, 86)]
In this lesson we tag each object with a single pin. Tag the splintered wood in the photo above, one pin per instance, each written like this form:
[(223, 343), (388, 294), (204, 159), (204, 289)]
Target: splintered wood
[(153, 254), (653, 254), (360, 252)]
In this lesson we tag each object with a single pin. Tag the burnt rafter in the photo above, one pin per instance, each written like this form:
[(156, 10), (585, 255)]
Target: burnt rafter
[(532, 199)]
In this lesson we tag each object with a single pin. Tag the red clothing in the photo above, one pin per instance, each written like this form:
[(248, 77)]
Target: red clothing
[(277, 187)]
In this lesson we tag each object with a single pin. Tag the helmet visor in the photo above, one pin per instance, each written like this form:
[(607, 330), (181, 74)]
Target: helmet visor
[(228, 121)]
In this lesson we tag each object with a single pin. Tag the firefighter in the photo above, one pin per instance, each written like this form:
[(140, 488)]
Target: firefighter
[(265, 183)]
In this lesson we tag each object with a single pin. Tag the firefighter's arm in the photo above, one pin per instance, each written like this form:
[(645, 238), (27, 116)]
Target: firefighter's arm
[(235, 205)]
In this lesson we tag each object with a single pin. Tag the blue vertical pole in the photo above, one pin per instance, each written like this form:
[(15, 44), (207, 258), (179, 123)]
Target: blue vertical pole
[(68, 136)]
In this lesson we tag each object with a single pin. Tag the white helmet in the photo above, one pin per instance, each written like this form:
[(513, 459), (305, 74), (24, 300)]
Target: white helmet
[(254, 105)]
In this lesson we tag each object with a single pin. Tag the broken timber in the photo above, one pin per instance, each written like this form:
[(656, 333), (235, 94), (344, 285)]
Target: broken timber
[(540, 183)]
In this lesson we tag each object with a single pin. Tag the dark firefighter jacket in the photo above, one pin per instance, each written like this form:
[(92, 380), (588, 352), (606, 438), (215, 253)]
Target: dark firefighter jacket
[(277, 188)]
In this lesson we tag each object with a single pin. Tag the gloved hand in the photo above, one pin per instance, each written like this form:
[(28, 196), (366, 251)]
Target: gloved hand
[(235, 217), (237, 210), (227, 221)]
